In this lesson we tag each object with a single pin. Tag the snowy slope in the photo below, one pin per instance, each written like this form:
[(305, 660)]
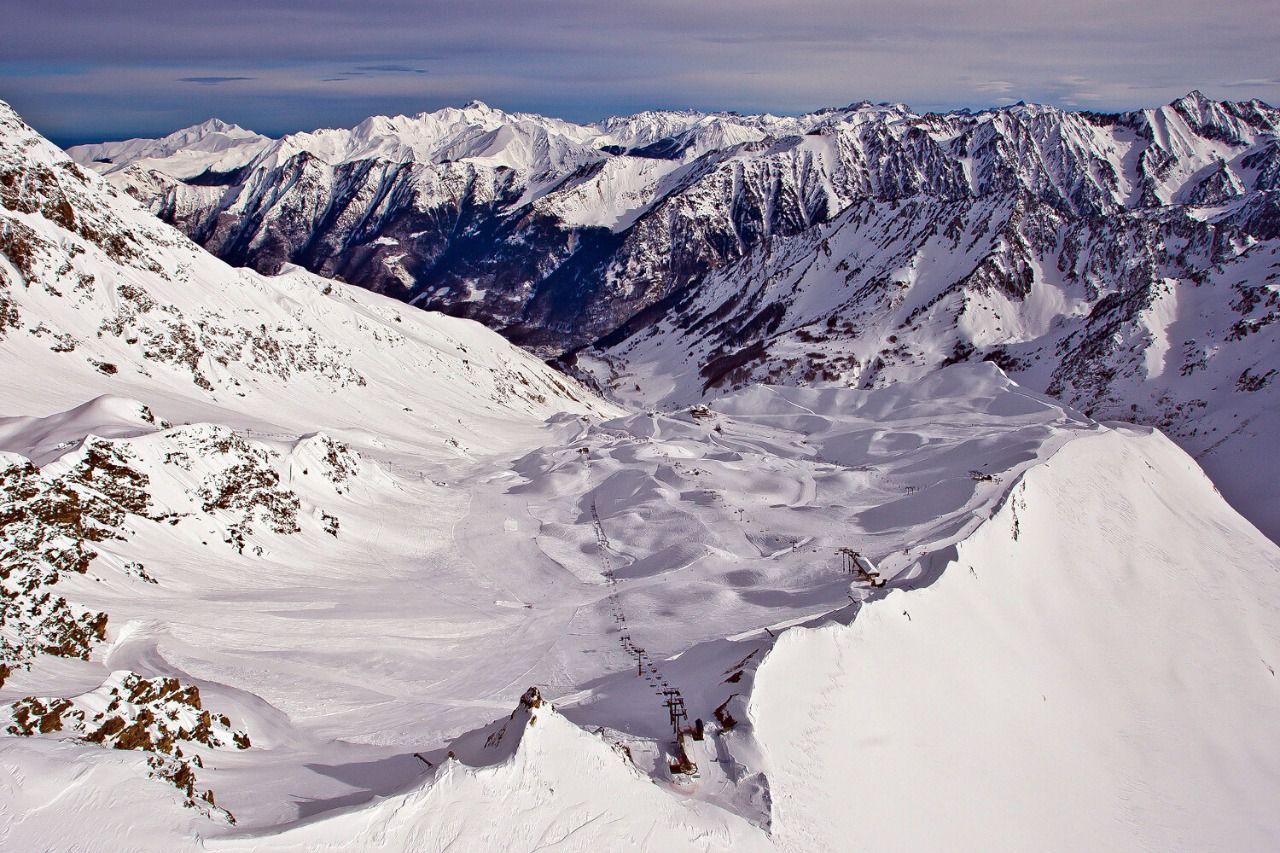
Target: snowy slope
[(1065, 685), (981, 567)]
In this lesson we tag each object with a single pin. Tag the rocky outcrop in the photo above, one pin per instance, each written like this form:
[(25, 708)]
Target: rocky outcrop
[(159, 716)]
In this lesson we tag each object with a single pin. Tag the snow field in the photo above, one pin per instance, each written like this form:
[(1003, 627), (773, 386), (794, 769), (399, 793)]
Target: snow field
[(1092, 671)]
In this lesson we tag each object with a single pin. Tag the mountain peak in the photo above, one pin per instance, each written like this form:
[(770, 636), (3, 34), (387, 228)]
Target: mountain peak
[(17, 135), (1194, 100), (215, 125), (209, 127)]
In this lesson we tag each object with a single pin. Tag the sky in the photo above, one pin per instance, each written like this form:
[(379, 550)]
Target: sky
[(88, 70)]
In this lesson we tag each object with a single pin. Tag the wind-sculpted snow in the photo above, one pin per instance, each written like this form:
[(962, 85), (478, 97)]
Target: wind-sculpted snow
[(561, 788), (460, 610), (722, 526)]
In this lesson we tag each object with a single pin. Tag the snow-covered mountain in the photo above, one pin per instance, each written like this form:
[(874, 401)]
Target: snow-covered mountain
[(1159, 316), (125, 303), (283, 552), (213, 146), (121, 338), (558, 232), (1120, 262)]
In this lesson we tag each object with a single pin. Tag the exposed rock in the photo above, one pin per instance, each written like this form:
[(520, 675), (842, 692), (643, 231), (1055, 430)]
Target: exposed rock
[(128, 711)]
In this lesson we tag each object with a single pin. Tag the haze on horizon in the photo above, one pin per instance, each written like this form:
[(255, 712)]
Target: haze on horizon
[(83, 72)]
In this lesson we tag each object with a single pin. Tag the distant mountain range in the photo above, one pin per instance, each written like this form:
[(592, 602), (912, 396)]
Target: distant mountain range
[(1126, 263), (557, 232)]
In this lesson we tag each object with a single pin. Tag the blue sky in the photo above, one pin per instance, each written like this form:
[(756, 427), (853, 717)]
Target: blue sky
[(82, 71)]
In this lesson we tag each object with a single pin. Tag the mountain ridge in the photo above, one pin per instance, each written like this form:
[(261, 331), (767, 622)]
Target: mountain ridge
[(493, 215)]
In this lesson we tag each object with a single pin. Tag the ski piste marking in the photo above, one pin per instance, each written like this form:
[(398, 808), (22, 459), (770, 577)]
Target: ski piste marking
[(646, 666)]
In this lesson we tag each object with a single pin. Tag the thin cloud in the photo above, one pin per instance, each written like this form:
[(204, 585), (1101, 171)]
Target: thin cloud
[(582, 59), (1253, 83), (389, 69), (212, 80), (365, 71), (995, 87)]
